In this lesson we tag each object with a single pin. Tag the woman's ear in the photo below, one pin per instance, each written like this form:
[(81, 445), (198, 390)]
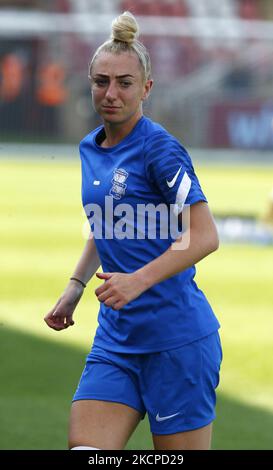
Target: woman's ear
[(147, 89)]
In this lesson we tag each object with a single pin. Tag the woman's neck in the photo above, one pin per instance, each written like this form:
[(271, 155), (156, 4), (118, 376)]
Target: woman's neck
[(115, 133)]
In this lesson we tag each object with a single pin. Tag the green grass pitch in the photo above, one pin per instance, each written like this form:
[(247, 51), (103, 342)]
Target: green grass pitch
[(40, 242)]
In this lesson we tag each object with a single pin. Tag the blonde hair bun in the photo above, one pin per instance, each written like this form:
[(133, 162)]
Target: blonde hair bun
[(125, 28)]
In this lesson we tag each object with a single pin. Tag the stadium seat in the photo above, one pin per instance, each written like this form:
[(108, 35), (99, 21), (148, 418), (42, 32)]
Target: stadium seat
[(173, 8), (62, 6), (132, 6), (249, 9), (155, 7)]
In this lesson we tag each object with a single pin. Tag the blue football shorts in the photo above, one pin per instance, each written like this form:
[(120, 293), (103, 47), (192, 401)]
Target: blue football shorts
[(176, 387)]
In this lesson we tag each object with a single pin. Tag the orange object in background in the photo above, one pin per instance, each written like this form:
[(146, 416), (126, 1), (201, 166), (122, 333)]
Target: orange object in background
[(51, 90), (11, 77)]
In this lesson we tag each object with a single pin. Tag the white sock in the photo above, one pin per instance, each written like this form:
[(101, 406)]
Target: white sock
[(84, 448)]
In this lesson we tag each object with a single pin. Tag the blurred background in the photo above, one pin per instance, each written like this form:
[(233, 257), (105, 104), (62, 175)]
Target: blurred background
[(214, 57), (213, 70)]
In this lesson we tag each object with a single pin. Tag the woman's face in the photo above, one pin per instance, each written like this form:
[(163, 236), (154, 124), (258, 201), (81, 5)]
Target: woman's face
[(118, 88)]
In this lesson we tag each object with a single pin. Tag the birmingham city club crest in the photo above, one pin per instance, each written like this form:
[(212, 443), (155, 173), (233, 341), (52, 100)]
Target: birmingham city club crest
[(118, 181)]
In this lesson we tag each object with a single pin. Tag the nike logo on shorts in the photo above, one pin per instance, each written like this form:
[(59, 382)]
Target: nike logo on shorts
[(173, 181), (163, 418)]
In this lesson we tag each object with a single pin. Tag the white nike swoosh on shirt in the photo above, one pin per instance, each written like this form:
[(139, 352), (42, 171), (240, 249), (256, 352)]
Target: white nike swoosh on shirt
[(163, 418), (172, 182)]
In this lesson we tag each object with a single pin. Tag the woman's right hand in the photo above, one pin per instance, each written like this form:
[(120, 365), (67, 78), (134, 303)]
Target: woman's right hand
[(60, 316)]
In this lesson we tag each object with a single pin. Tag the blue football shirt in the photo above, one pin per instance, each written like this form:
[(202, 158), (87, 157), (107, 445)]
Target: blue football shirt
[(148, 169)]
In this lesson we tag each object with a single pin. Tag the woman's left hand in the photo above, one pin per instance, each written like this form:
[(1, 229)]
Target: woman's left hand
[(118, 289)]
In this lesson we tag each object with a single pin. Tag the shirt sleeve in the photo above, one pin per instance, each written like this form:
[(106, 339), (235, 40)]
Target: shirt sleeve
[(169, 168)]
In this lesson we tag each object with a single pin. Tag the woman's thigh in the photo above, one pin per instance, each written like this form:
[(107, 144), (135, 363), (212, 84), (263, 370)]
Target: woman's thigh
[(101, 424), (199, 439)]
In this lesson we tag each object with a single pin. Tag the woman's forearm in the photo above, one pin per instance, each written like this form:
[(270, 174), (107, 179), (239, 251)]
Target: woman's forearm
[(196, 243), (89, 262), (174, 261)]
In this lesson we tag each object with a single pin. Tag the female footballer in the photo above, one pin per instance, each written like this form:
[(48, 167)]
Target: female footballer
[(157, 349)]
